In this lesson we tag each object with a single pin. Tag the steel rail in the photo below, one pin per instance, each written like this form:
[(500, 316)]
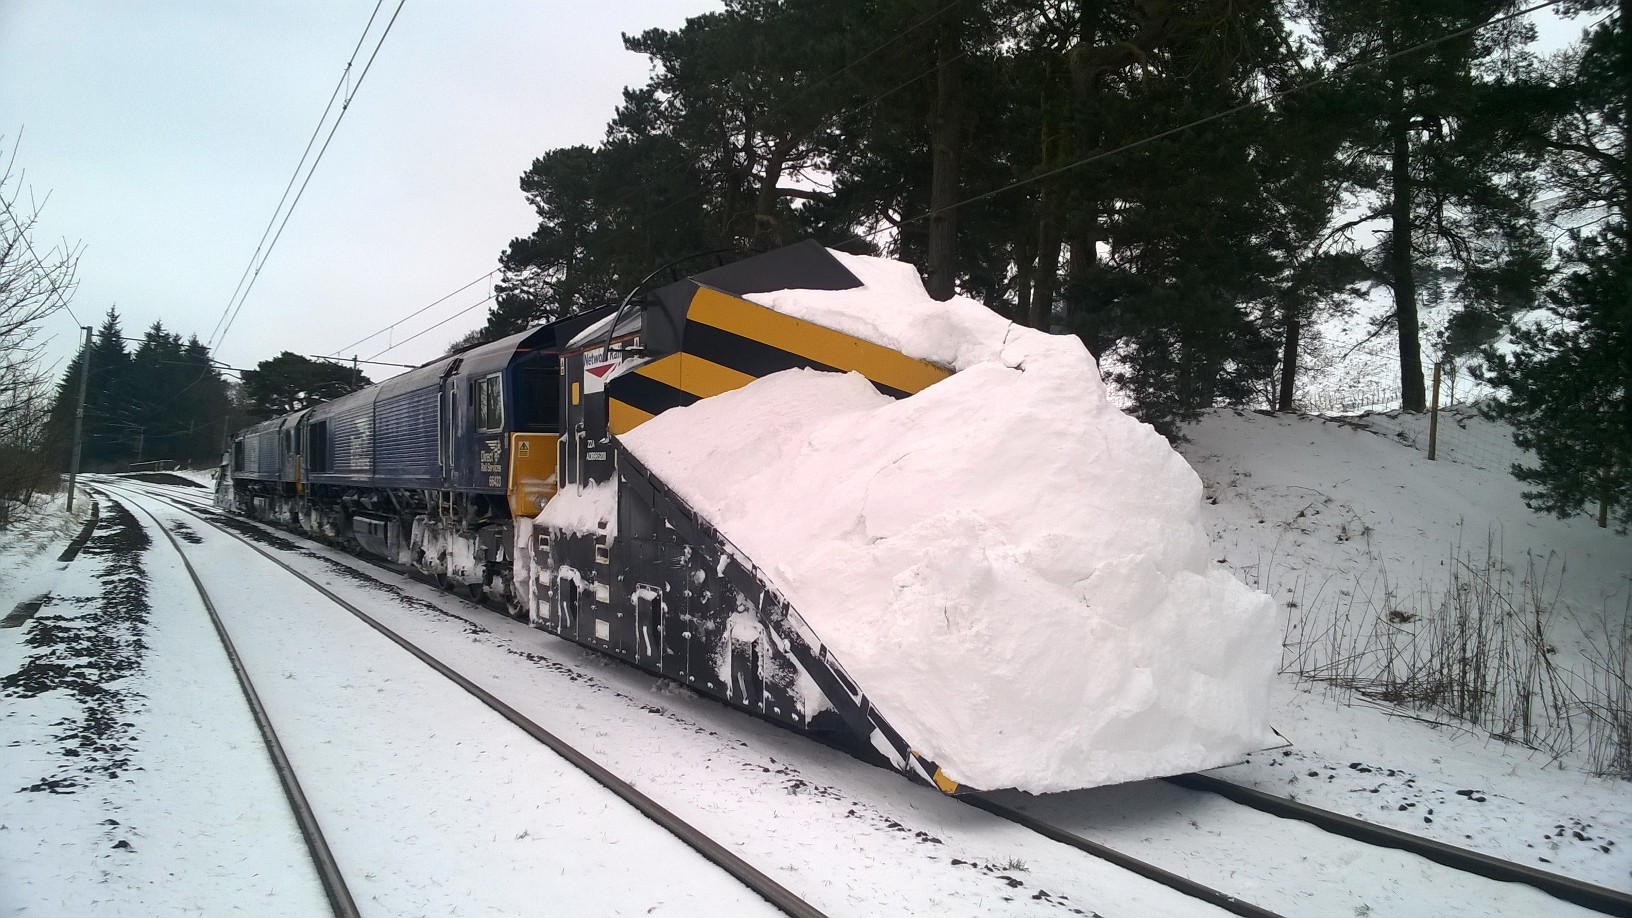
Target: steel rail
[(328, 869), (1185, 885), (1577, 892), (773, 892)]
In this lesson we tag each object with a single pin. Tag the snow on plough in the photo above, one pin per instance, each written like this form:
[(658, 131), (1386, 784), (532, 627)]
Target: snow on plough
[(797, 484)]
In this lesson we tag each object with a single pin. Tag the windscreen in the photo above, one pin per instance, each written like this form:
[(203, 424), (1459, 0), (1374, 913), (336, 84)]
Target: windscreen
[(538, 406)]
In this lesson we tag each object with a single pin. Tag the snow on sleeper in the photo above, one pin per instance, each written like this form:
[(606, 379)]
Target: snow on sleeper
[(1012, 569)]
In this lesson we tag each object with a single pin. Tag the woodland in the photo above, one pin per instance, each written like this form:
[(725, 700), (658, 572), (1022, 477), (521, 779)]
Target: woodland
[(1191, 186), (1195, 188)]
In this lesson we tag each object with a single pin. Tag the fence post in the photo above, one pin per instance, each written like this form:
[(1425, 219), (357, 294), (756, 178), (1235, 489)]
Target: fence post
[(1603, 501), (1433, 415)]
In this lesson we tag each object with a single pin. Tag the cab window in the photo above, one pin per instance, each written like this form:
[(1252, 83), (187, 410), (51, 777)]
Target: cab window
[(489, 403), (537, 399)]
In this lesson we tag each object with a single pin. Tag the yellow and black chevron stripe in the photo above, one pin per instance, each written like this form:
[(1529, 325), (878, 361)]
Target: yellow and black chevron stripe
[(729, 342)]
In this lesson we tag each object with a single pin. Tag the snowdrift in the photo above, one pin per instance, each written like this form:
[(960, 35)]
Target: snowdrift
[(1012, 569)]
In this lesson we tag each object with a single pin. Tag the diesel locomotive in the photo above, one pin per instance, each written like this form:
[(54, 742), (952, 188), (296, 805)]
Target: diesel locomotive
[(447, 468)]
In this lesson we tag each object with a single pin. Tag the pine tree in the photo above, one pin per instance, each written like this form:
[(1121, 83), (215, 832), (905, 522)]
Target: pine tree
[(1567, 382), (1448, 197), (290, 382), (164, 400), (108, 412), (1568, 374)]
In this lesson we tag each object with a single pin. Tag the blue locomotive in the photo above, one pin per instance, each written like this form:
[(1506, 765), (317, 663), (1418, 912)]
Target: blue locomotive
[(427, 469)]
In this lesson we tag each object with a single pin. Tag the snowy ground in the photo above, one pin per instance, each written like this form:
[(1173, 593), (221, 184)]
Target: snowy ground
[(1346, 521), (156, 799)]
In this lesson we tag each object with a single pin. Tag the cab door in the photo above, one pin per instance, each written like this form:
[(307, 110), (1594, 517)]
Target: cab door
[(487, 422), (445, 449)]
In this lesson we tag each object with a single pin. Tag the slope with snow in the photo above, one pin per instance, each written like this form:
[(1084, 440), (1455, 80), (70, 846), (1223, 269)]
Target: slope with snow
[(1347, 521), (1012, 569)]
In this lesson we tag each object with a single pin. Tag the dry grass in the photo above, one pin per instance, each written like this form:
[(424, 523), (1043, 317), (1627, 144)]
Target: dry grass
[(1475, 648)]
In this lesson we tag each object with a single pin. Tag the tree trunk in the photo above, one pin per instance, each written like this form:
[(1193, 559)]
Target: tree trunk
[(1025, 260), (1624, 448), (1049, 207), (1085, 318), (1401, 263), (1048, 260), (767, 232), (1289, 362), (946, 139)]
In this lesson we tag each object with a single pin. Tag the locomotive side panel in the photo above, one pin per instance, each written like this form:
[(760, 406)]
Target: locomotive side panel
[(262, 454), (351, 441), (339, 441), (405, 438)]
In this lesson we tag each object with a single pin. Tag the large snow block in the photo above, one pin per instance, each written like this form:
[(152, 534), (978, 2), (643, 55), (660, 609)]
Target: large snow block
[(1012, 570)]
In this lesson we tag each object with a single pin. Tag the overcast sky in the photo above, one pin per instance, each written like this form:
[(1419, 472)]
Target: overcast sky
[(165, 133)]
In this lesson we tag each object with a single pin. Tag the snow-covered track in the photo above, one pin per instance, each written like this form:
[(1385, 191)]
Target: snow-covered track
[(328, 869), (1587, 895), (1189, 887), (773, 892), (1273, 858)]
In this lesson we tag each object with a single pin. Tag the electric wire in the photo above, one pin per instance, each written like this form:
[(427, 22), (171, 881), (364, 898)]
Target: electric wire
[(422, 331), (340, 350), (323, 119), (345, 105), (976, 198), (803, 91)]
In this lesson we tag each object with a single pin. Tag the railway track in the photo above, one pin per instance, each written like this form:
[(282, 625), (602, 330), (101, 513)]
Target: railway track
[(1037, 818), (317, 846), (334, 883), (1567, 889), (1586, 895)]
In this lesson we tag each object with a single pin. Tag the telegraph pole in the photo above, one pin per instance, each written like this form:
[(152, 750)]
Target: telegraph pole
[(79, 416)]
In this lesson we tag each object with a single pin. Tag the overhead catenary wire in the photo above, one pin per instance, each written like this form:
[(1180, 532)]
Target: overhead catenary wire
[(332, 358), (437, 302), (339, 85), (422, 331), (1012, 186), (232, 312)]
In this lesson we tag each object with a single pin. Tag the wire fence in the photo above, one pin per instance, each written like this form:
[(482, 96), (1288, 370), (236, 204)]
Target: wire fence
[(1463, 435)]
